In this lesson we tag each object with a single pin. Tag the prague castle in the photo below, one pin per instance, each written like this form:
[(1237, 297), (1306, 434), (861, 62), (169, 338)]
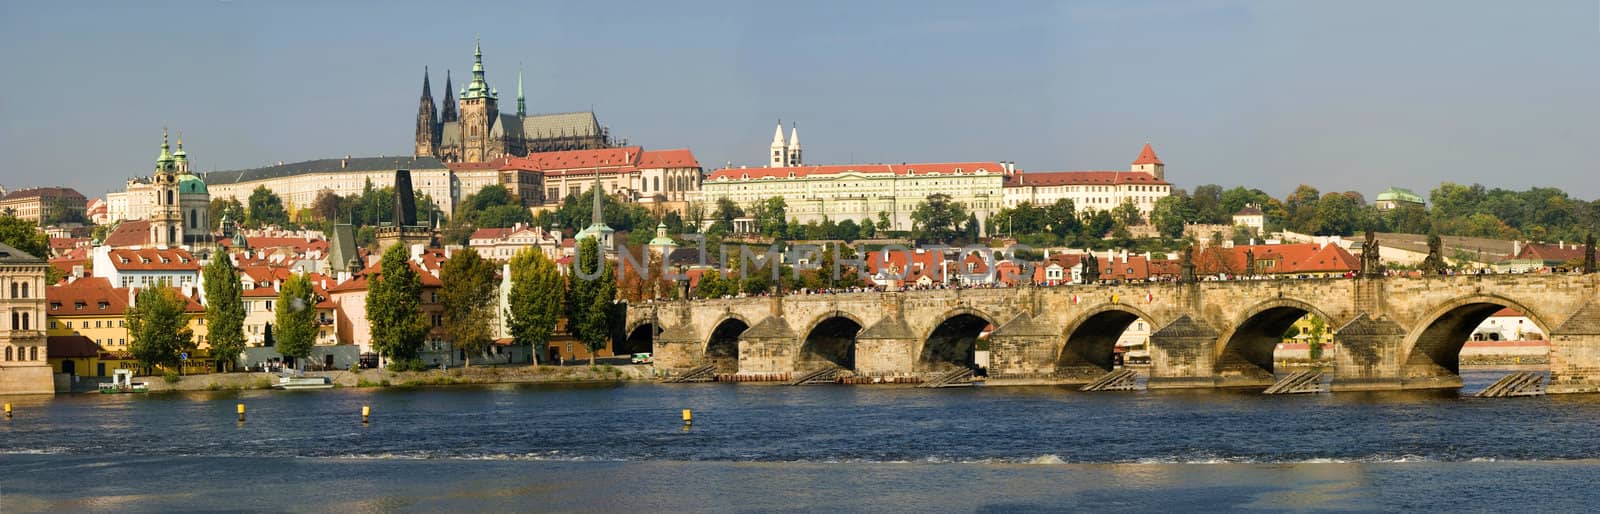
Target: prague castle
[(472, 128)]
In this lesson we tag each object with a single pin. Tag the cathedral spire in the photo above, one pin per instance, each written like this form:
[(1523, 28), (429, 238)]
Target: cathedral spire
[(522, 106), (780, 149), (427, 91), (479, 88), (449, 112), (598, 216)]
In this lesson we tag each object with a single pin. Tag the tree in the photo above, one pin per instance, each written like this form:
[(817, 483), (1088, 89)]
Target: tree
[(224, 309), (266, 208), (713, 285), (296, 317), (1096, 224), (328, 206), (536, 299), (771, 217), (1234, 200), (972, 227), (158, 326), (937, 219), (590, 301), (1302, 207), (225, 207), (1208, 204), (394, 297), (1127, 214), (24, 235), (469, 295), (1060, 218), (1171, 213), (1336, 215)]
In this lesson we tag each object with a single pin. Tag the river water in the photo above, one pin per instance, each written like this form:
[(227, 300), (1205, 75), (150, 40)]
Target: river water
[(765, 448)]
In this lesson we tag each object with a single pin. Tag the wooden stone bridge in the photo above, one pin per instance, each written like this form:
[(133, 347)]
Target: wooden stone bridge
[(1392, 333)]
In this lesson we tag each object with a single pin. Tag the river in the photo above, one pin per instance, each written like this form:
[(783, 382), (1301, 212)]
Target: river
[(766, 448)]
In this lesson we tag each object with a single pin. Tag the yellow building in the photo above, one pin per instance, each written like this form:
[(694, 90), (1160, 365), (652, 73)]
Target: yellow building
[(23, 354), (89, 307)]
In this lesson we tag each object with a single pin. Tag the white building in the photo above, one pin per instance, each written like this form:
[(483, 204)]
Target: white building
[(501, 244), (299, 183), (146, 267), (1143, 184)]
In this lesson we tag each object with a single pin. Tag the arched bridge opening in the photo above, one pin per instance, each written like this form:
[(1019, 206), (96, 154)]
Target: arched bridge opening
[(1434, 352), (831, 342), (1247, 356), (640, 340), (1102, 342), (954, 343), (722, 350)]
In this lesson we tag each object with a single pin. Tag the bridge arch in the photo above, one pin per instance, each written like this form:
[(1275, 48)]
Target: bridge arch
[(829, 339), (1089, 341), (1244, 351), (722, 344), (639, 337), (1431, 352), (953, 341)]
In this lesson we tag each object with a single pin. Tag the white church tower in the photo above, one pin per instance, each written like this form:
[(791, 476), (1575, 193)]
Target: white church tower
[(779, 148), (794, 146)]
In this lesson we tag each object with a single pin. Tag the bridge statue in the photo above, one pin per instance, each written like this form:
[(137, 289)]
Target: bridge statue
[(1588, 253), (1433, 264), (1186, 266), (1371, 262), (1091, 268)]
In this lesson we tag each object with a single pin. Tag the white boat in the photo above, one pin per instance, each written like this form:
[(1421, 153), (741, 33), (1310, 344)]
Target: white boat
[(303, 382), (122, 382)]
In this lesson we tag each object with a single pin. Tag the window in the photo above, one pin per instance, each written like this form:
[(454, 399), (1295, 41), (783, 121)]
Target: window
[(24, 289), (14, 290), (25, 324), (52, 324), (33, 353), (69, 324), (8, 353)]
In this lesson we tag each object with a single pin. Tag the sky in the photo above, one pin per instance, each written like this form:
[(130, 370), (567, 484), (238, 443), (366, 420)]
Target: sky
[(1353, 95)]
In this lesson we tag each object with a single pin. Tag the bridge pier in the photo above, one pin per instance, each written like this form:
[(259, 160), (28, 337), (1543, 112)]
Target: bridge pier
[(767, 348), (677, 349), (1369, 355), (1181, 355), (887, 348), (1575, 353), (1024, 348)]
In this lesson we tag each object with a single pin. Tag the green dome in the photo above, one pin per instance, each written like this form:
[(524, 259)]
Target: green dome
[(191, 184)]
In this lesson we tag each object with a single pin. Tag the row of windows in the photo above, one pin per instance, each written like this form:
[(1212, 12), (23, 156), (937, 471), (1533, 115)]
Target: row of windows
[(33, 354), (23, 322), (24, 290), (97, 324)]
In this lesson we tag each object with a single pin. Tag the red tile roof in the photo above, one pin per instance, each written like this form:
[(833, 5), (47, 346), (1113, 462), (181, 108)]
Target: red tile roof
[(1075, 178), (1147, 156), (946, 168), (150, 259), (74, 346), (1549, 253), (675, 158), (82, 297), (129, 233), (299, 245), (43, 191), (1286, 258)]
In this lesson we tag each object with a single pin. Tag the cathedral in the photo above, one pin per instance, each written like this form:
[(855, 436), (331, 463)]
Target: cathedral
[(472, 129)]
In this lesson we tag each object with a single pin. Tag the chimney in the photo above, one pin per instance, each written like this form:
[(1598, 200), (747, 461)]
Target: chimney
[(77, 271), (416, 253), (277, 285), (133, 297), (1516, 247)]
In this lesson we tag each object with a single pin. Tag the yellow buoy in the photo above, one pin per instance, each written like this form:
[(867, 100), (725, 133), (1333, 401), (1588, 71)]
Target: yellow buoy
[(8, 411), (688, 417), (366, 411), (241, 412)]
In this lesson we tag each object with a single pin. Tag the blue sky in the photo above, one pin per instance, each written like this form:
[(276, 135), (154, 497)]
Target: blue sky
[(1341, 95)]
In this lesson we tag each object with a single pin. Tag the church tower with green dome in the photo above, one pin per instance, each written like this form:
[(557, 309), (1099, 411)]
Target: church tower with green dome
[(194, 201), (166, 215)]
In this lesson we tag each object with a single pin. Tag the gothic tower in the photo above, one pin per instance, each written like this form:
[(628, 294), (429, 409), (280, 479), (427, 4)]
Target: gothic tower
[(522, 104), (1149, 163), (780, 149), (479, 112), (794, 145), (427, 122), (449, 113), (166, 218)]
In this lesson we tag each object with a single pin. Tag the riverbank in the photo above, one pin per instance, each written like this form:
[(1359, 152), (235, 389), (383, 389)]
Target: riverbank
[(436, 377)]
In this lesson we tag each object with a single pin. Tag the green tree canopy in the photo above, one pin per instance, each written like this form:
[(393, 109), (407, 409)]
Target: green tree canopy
[(158, 326), (24, 235), (590, 307), (938, 219), (536, 298), (296, 317), (266, 209), (470, 296), (394, 297), (224, 309)]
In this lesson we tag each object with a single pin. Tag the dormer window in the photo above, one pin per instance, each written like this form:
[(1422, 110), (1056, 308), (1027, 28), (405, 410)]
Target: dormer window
[(79, 305)]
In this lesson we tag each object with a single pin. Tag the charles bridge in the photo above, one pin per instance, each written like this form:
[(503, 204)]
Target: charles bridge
[(1391, 332)]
